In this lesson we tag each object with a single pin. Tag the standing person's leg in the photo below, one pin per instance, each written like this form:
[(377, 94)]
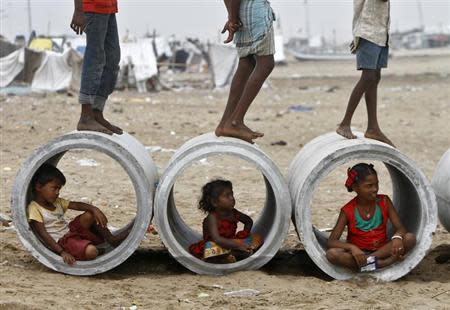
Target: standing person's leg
[(110, 72), (373, 129), (245, 68), (93, 63), (235, 126), (368, 79)]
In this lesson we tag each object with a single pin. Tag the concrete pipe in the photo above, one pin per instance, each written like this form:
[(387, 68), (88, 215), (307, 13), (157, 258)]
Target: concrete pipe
[(134, 159), (413, 197), (441, 186), (272, 224)]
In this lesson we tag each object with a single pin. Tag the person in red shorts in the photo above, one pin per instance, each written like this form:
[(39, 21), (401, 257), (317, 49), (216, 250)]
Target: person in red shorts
[(77, 240), (97, 18)]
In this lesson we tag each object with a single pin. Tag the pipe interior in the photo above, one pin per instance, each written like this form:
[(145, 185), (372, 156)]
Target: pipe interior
[(405, 199), (186, 235), (55, 160)]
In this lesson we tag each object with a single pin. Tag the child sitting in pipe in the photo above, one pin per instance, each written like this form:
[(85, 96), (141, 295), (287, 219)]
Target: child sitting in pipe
[(366, 216), (221, 243), (76, 240)]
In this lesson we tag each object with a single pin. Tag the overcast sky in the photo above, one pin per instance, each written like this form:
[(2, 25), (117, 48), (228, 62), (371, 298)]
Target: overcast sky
[(204, 18)]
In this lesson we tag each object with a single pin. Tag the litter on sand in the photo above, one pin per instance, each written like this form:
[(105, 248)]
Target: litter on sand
[(248, 292), (87, 162)]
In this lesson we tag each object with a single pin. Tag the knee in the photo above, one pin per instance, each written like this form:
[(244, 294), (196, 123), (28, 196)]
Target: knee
[(87, 219), (409, 240), (332, 255), (91, 252)]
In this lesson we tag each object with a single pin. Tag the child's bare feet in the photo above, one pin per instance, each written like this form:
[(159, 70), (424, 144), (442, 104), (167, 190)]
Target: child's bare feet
[(90, 124), (378, 135), (239, 131), (345, 131), (101, 120)]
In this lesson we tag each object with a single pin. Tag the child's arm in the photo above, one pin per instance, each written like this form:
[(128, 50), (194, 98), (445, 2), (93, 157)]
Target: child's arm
[(223, 242), (334, 242), (99, 216), (39, 228), (246, 220), (233, 23), (78, 21), (400, 230)]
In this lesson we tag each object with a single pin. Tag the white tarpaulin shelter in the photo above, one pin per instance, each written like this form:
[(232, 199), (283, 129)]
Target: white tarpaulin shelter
[(224, 61), (141, 57), (55, 72), (10, 66), (279, 49)]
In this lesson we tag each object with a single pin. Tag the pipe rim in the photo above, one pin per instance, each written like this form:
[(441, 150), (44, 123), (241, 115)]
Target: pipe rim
[(303, 199), (58, 146), (243, 151)]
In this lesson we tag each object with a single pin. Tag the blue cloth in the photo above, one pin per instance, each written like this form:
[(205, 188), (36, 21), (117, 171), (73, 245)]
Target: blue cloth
[(256, 17), (371, 56), (101, 59)]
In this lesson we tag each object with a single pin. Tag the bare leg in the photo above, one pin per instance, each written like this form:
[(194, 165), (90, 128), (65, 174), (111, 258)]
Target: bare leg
[(385, 258), (243, 72), (373, 129), (87, 220), (98, 115), (88, 121), (343, 258), (368, 78), (234, 125)]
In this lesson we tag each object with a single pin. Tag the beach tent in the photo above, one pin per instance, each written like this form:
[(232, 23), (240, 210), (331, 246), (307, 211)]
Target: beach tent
[(279, 56), (138, 58), (10, 66), (41, 44), (7, 48), (56, 71), (223, 63)]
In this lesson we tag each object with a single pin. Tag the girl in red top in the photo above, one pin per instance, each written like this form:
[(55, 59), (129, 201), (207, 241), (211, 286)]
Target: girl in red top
[(221, 243), (366, 216)]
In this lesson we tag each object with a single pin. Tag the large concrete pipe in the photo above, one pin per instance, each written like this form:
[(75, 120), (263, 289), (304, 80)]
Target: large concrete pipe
[(272, 224), (413, 197), (134, 159), (441, 186)]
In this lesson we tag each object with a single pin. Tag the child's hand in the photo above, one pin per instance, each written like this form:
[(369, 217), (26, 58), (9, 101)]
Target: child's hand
[(359, 256), (68, 259), (397, 248), (78, 23), (231, 27), (100, 217), (245, 248)]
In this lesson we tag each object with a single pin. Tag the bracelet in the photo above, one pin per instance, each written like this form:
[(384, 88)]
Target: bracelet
[(396, 237)]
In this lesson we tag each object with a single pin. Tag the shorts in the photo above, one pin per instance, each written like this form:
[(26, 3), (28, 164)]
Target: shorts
[(263, 47), (371, 56), (78, 238)]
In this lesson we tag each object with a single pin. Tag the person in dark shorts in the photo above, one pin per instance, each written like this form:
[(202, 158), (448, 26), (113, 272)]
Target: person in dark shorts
[(371, 44)]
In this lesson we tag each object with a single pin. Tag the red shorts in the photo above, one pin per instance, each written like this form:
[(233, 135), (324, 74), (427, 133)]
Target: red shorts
[(78, 238)]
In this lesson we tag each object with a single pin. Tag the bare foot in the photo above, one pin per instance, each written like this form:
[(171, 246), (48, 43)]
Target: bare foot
[(90, 124), (219, 130), (237, 131), (99, 118), (378, 135), (345, 131)]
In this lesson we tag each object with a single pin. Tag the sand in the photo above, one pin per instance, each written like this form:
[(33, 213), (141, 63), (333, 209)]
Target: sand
[(414, 111)]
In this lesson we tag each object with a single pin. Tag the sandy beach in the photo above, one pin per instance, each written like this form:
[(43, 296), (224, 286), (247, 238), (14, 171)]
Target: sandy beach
[(414, 111)]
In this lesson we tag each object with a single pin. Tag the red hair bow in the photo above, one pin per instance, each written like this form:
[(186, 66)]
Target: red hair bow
[(352, 174)]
